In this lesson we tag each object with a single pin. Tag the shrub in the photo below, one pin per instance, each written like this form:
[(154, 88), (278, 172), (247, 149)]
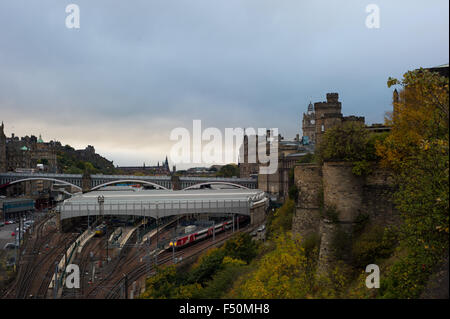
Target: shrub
[(293, 193), (223, 280), (308, 158), (281, 220), (241, 247), (372, 245), (350, 142), (208, 264)]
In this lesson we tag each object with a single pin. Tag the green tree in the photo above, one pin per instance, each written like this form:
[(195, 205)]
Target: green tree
[(350, 142), (228, 170), (242, 247)]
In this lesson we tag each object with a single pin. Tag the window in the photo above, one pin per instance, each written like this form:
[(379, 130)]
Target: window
[(323, 128)]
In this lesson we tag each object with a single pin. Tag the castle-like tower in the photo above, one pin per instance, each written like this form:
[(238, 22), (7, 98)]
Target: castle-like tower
[(308, 126), (327, 115)]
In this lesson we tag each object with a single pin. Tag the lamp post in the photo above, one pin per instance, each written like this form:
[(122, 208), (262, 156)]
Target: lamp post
[(173, 243), (101, 201)]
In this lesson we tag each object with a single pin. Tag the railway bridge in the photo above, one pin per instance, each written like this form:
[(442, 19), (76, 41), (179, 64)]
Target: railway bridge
[(93, 182)]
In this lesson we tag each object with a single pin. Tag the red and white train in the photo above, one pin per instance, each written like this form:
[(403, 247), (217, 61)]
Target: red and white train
[(185, 240)]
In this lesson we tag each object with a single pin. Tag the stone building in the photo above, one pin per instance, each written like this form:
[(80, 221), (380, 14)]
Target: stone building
[(308, 126), (162, 169), (329, 114), (319, 118), (276, 185), (26, 153), (248, 167)]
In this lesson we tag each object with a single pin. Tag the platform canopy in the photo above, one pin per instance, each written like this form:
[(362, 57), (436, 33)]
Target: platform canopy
[(161, 203)]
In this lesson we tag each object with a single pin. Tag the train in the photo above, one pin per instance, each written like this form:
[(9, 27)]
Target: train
[(189, 239), (100, 230)]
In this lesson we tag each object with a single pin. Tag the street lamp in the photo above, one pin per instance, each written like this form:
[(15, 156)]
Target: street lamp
[(173, 244), (101, 201)]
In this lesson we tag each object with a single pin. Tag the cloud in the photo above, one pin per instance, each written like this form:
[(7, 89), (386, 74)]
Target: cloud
[(136, 70)]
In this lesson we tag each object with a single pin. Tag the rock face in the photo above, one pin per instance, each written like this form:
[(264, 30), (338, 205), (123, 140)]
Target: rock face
[(333, 185), (86, 155)]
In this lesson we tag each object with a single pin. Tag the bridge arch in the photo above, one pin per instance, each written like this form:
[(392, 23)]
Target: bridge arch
[(214, 183), (138, 181), (40, 179)]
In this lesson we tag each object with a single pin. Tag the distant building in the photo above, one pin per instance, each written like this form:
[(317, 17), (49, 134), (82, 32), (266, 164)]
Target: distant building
[(328, 114), (289, 152), (319, 118), (147, 170), (309, 126), (26, 153)]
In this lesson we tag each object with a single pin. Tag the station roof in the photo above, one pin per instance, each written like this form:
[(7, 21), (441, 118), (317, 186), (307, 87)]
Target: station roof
[(161, 203)]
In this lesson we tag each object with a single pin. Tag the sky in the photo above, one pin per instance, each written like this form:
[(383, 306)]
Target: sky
[(135, 70)]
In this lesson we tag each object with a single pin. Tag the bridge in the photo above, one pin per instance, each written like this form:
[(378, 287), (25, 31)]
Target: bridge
[(161, 203), (96, 181)]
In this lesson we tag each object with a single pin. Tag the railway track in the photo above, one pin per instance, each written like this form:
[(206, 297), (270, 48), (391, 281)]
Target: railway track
[(137, 272), (37, 266), (20, 286)]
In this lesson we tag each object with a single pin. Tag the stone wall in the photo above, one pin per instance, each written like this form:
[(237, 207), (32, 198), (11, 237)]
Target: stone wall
[(348, 195), (258, 213), (342, 190), (377, 198), (307, 214)]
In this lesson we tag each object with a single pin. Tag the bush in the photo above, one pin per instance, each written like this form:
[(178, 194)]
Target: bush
[(281, 220), (308, 158), (374, 244), (241, 247), (208, 264), (408, 277), (350, 142), (293, 193), (330, 212), (222, 281)]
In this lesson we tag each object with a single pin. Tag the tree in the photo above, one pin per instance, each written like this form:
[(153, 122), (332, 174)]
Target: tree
[(228, 170), (350, 142), (282, 273), (241, 247), (417, 151)]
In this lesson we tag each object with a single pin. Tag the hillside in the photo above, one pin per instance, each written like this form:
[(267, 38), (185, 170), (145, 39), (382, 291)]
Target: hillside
[(71, 161)]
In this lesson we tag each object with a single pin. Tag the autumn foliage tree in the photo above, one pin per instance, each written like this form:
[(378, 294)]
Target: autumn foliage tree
[(417, 152)]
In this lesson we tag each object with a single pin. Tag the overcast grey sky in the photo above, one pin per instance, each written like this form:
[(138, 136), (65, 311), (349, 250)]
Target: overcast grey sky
[(137, 69)]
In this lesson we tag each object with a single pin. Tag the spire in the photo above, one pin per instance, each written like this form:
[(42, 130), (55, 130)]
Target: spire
[(310, 107)]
